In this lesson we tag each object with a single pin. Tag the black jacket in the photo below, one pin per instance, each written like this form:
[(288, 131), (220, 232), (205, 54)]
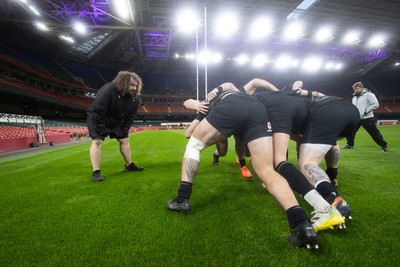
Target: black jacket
[(110, 110)]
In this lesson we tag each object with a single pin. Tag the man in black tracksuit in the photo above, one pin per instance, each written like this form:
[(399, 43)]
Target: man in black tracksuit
[(112, 114)]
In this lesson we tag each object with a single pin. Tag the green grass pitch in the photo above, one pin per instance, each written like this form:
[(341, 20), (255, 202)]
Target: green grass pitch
[(52, 214)]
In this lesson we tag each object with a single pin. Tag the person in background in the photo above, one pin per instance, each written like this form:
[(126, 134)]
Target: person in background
[(112, 114), (366, 102)]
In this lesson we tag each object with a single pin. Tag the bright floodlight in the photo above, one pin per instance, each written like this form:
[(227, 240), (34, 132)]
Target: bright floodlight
[(41, 26), (312, 64), (323, 35), (260, 28), (329, 66), (376, 41), (210, 57), (190, 56), (293, 31), (67, 39), (34, 10), (351, 38), (80, 27), (226, 24), (122, 8), (283, 62), (259, 61), (338, 66), (187, 21), (242, 59)]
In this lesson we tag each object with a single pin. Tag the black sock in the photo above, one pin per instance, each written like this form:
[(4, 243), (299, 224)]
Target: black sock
[(184, 192), (332, 173), (295, 215), (297, 181), (242, 162), (327, 191), (96, 171)]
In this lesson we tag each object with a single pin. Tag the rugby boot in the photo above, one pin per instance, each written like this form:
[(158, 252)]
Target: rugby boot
[(341, 205), (327, 220), (304, 235), (133, 168), (180, 207), (245, 172)]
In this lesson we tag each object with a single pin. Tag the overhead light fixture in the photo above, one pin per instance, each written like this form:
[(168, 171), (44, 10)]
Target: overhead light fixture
[(300, 9), (34, 10), (376, 41), (242, 59), (260, 28), (67, 39), (226, 24), (122, 8), (41, 26), (80, 28), (259, 60), (312, 64), (293, 31), (324, 35), (351, 38), (187, 21)]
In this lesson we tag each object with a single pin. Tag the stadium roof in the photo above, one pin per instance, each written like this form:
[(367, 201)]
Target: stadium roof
[(149, 41)]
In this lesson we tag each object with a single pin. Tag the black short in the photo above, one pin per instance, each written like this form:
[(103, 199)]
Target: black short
[(287, 114), (115, 132), (331, 121), (242, 116)]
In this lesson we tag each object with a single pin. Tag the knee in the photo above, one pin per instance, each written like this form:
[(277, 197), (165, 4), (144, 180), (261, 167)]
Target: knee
[(193, 149)]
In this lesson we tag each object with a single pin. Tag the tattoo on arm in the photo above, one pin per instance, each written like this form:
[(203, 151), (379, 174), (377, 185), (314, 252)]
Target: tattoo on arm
[(192, 167), (315, 173)]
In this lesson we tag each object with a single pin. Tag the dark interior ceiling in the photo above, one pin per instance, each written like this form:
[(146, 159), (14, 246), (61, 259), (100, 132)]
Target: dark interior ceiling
[(149, 43)]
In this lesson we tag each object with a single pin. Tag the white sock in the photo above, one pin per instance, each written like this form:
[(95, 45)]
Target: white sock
[(317, 201)]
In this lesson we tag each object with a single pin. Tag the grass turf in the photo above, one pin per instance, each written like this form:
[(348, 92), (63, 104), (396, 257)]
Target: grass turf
[(52, 214)]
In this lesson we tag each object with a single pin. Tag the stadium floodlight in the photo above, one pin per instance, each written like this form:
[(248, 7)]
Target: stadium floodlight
[(67, 39), (190, 56), (323, 35), (329, 65), (226, 24), (351, 38), (283, 62), (187, 21), (376, 41), (80, 28), (338, 66), (41, 26), (34, 10), (312, 64), (293, 31), (122, 8), (242, 59), (396, 64), (260, 28), (259, 61), (210, 57)]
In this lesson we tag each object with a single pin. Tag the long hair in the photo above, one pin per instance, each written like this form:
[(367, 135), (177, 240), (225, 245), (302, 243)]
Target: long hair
[(123, 79)]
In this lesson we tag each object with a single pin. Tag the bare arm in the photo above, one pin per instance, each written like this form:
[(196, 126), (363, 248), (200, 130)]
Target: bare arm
[(223, 87), (251, 86), (192, 104)]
